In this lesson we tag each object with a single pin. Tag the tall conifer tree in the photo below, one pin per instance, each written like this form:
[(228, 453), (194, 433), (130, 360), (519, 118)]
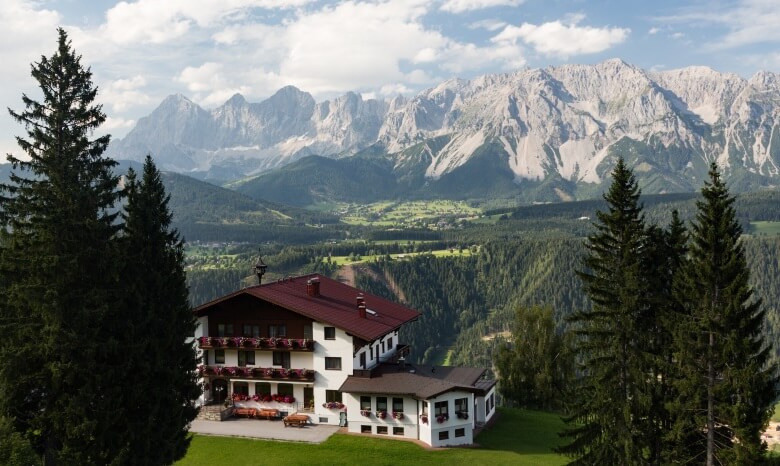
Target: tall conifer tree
[(725, 386), (162, 322), (612, 406), (58, 264)]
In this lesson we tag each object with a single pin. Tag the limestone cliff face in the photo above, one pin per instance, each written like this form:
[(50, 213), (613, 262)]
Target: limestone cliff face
[(567, 122)]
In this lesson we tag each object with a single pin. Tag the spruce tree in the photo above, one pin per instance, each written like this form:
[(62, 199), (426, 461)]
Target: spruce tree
[(726, 385), (58, 270), (613, 400), (162, 323)]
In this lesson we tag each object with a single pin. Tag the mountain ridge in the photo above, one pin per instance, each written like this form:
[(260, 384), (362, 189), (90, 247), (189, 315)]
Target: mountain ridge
[(565, 124)]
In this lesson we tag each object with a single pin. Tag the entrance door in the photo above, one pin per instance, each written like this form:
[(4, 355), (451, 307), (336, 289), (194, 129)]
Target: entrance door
[(219, 390), (308, 397)]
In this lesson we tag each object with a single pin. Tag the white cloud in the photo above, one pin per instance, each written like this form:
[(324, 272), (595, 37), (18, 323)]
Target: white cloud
[(562, 39), (355, 45), (112, 123), (460, 6), (210, 84), (747, 22), (653, 31), (488, 24), (122, 94), (159, 21)]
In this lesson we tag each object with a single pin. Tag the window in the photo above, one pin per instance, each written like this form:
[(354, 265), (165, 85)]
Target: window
[(381, 430), (241, 388), (332, 396), (262, 388), (330, 333), (377, 352), (225, 330), (246, 357), (281, 358), (441, 408), (460, 432), (461, 405), (277, 330), (372, 352), (363, 359), (398, 405), (333, 364), (424, 407), (444, 435), (364, 429), (308, 333), (390, 343), (383, 346), (285, 389), (324, 420), (204, 358), (219, 356), (381, 403), (398, 430), (365, 403), (251, 330)]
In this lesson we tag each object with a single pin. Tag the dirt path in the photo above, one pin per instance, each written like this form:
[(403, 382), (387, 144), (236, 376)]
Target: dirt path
[(347, 274)]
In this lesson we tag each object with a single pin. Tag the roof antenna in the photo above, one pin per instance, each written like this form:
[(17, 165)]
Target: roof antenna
[(260, 268)]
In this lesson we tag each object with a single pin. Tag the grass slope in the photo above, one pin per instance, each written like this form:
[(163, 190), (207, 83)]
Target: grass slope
[(518, 438)]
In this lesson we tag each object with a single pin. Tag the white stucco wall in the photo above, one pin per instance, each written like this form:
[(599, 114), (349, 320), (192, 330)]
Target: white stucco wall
[(340, 347), (389, 352), (410, 421), (453, 422)]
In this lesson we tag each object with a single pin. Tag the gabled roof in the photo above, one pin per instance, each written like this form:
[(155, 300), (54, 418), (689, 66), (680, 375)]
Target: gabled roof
[(418, 381), (335, 305)]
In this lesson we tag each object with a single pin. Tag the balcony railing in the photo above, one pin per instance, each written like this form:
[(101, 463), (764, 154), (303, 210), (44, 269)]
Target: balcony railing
[(259, 373), (293, 344)]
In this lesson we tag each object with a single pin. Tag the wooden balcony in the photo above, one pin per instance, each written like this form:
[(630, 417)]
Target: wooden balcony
[(257, 373), (275, 344)]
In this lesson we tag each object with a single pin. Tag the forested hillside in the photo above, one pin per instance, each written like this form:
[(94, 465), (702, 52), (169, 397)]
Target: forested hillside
[(467, 302)]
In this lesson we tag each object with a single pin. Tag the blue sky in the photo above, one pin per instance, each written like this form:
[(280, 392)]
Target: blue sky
[(140, 51)]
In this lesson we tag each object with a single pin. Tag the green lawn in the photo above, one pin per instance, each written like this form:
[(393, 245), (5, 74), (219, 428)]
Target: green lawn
[(518, 438)]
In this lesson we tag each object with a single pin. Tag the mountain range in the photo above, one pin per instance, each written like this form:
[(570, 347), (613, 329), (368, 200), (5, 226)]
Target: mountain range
[(535, 134)]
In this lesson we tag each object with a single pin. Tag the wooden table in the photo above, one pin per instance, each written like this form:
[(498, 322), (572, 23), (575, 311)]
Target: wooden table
[(299, 420)]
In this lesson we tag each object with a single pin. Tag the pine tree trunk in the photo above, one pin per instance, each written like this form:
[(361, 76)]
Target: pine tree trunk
[(711, 403)]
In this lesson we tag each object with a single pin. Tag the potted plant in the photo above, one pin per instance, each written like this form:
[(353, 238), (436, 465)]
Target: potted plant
[(398, 415), (424, 418), (441, 418), (365, 412), (381, 414)]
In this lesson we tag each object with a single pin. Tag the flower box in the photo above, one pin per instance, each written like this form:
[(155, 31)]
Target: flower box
[(442, 418), (462, 415), (333, 405), (397, 415), (381, 414), (365, 412)]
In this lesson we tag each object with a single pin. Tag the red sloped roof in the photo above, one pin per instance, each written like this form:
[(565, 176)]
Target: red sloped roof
[(336, 305)]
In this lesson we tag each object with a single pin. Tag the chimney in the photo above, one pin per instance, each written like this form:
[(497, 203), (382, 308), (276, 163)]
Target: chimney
[(361, 306), (313, 287)]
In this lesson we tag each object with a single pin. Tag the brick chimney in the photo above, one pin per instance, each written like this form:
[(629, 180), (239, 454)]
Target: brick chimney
[(313, 287), (361, 306)]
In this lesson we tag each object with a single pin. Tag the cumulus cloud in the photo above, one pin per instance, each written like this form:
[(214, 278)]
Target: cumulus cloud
[(210, 84), (158, 21), (562, 39), (461, 6), (122, 94)]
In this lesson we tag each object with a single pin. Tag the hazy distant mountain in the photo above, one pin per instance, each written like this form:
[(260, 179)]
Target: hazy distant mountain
[(544, 133)]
